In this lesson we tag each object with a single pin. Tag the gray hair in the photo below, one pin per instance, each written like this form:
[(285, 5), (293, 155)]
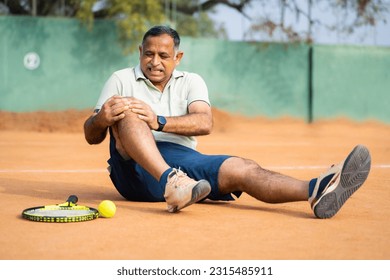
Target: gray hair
[(160, 30)]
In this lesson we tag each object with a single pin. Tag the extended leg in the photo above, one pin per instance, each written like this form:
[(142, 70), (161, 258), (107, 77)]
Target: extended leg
[(326, 194), (238, 174)]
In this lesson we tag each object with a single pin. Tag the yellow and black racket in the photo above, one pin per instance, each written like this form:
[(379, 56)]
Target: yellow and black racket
[(66, 212)]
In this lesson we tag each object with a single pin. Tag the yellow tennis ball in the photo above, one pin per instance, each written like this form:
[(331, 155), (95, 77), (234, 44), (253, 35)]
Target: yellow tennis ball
[(107, 209)]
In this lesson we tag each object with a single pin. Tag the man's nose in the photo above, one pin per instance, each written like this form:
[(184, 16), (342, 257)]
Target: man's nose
[(155, 60)]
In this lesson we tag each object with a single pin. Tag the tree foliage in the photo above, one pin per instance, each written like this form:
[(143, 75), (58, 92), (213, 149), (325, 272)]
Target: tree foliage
[(352, 14), (132, 17), (192, 17)]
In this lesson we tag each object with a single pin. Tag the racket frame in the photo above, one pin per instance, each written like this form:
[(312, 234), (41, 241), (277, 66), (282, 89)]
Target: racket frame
[(70, 204)]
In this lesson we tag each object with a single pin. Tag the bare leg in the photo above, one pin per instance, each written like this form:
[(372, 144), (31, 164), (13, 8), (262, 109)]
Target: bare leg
[(135, 140), (238, 174)]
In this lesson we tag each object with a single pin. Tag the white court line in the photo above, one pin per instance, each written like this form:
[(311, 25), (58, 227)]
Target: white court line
[(305, 167), (53, 170), (299, 167)]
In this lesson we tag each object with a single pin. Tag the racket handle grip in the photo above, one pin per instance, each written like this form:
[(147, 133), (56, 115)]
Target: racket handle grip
[(73, 199)]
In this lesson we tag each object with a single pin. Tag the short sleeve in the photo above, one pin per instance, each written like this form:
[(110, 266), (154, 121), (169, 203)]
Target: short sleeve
[(113, 86), (197, 89)]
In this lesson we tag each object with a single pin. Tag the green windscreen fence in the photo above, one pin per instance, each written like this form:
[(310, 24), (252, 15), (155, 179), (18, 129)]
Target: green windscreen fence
[(252, 79), (351, 81), (56, 64)]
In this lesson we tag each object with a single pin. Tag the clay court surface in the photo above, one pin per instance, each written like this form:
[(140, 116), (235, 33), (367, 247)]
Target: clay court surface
[(44, 158)]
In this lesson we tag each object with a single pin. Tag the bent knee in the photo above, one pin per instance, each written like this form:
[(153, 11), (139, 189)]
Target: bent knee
[(130, 121)]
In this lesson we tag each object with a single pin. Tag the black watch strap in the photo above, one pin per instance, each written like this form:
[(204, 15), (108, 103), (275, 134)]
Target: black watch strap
[(161, 122)]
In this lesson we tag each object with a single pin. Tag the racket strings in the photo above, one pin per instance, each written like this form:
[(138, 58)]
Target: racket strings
[(61, 213)]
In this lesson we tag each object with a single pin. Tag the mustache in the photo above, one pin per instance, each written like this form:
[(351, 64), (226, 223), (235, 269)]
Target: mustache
[(151, 68)]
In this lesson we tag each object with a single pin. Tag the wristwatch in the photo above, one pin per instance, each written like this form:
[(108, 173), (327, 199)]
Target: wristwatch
[(161, 122)]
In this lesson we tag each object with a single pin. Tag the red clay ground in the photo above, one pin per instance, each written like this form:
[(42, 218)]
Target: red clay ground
[(44, 158)]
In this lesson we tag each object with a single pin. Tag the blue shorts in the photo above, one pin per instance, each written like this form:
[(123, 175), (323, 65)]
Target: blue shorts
[(136, 184)]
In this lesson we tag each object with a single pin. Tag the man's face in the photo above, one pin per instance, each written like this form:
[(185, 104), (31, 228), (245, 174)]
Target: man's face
[(158, 59)]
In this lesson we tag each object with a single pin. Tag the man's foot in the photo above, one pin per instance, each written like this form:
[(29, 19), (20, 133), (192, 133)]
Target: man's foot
[(182, 191), (344, 179)]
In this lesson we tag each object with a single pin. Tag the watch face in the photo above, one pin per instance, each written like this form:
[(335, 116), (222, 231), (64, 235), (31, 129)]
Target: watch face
[(161, 120)]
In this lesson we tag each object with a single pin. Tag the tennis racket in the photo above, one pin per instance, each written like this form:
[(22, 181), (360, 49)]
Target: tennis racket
[(66, 212)]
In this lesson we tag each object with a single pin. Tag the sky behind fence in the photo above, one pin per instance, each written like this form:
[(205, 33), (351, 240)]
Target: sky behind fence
[(237, 25)]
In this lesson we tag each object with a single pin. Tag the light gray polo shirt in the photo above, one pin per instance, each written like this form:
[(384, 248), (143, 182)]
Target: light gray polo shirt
[(182, 89)]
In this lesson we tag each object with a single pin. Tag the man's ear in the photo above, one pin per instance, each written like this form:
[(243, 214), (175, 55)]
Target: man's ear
[(140, 50), (179, 56)]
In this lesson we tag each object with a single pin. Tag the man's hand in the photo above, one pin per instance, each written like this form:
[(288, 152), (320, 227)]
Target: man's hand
[(112, 111), (144, 112), (96, 126)]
